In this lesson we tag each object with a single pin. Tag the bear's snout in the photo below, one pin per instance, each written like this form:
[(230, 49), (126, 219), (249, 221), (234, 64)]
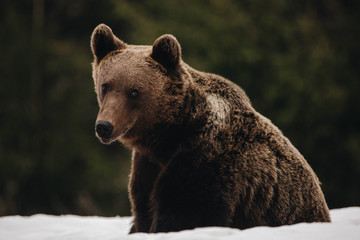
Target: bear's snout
[(104, 129)]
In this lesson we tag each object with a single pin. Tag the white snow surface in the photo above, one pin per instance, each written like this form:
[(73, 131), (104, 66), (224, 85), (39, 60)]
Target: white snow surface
[(345, 225)]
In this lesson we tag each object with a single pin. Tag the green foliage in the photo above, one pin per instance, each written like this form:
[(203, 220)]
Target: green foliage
[(298, 61)]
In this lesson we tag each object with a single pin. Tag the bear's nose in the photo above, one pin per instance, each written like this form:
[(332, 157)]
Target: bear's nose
[(104, 128)]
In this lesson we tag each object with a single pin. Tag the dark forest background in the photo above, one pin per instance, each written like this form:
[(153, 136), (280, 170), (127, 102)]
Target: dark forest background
[(297, 60)]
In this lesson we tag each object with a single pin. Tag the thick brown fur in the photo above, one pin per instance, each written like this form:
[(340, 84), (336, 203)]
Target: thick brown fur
[(202, 156)]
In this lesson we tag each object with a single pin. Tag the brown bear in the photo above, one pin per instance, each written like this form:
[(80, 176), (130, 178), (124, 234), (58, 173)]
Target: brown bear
[(202, 156)]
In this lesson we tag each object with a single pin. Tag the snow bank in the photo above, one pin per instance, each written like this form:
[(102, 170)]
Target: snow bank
[(345, 225)]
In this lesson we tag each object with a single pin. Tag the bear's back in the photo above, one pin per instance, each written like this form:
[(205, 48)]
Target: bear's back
[(275, 183)]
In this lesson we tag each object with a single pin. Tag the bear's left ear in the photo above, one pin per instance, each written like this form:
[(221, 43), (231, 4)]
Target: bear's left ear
[(103, 41), (166, 50)]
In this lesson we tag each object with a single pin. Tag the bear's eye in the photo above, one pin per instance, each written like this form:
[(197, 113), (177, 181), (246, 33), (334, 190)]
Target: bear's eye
[(134, 93), (104, 88)]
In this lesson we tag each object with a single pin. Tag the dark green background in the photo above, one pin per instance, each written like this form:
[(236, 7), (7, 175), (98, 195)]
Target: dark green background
[(297, 60)]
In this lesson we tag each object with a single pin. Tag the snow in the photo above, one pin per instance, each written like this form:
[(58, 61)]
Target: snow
[(345, 225)]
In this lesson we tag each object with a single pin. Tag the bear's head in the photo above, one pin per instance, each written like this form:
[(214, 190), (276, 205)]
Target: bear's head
[(137, 87)]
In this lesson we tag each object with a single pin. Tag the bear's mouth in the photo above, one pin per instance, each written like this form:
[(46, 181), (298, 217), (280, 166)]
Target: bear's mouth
[(124, 136), (128, 132), (106, 140)]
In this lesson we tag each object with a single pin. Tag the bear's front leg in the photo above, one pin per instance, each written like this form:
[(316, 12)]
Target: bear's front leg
[(142, 177), (188, 196)]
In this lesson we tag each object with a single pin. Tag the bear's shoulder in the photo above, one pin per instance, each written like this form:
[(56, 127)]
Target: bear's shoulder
[(219, 89)]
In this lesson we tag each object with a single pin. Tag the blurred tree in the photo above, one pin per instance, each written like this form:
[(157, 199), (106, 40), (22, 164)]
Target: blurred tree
[(50, 160), (298, 61)]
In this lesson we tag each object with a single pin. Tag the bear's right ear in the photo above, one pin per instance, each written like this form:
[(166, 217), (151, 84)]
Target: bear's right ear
[(103, 41), (166, 50)]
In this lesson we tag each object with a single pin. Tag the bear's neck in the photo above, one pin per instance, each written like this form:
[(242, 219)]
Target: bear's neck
[(165, 140)]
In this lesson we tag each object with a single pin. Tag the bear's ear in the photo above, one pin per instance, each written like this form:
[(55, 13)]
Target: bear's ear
[(103, 41), (166, 50)]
